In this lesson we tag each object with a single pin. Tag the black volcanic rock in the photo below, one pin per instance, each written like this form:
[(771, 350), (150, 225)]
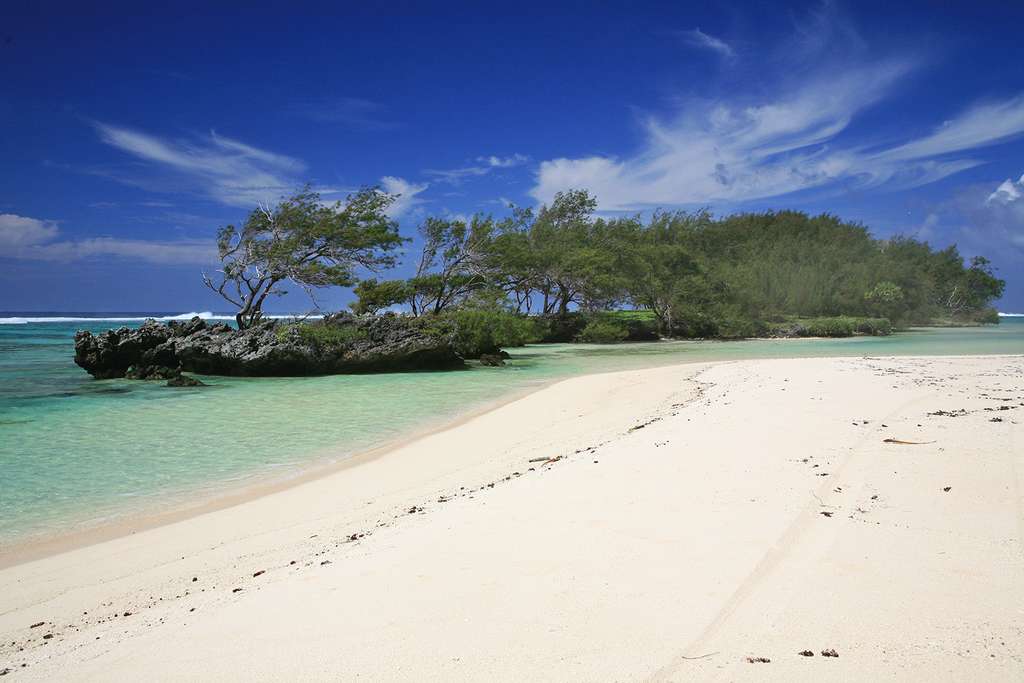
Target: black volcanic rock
[(341, 343), (153, 372), (113, 352), (181, 380)]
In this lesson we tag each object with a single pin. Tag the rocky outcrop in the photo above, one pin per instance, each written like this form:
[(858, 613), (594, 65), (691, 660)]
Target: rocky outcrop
[(341, 343), (181, 380)]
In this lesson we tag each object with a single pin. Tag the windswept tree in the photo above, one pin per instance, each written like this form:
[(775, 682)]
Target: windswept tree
[(303, 242), (565, 257), (509, 260), (886, 300), (372, 296), (451, 265), (978, 285), (660, 264)]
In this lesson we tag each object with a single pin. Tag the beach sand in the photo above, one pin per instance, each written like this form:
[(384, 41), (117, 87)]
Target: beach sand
[(690, 518)]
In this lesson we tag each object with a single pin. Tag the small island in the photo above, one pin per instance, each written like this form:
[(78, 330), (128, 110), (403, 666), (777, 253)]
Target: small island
[(560, 274)]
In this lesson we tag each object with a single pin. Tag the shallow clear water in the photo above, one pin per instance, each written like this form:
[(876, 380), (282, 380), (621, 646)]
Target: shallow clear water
[(75, 451)]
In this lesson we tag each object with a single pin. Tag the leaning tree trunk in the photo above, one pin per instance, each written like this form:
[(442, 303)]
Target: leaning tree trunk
[(563, 303)]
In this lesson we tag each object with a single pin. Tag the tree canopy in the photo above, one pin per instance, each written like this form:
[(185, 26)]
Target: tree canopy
[(305, 242), (699, 275)]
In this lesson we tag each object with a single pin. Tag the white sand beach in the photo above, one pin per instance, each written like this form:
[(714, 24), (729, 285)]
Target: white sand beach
[(668, 524)]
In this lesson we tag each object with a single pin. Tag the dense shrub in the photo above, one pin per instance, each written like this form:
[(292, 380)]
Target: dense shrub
[(737, 326), (603, 330), (321, 334), (559, 329), (839, 326), (693, 322), (639, 325), (988, 316), (830, 327), (879, 327), (478, 331)]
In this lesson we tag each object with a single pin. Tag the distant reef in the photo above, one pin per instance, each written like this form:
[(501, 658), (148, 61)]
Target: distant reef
[(339, 344)]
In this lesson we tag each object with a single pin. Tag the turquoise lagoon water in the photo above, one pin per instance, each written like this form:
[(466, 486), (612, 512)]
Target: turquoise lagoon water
[(76, 451)]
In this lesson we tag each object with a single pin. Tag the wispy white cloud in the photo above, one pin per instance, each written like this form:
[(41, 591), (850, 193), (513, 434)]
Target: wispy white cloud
[(235, 173), (981, 125), (407, 194), (503, 162), (353, 112), (180, 252), (456, 176), (227, 170), (503, 202), (697, 38), (33, 239), (484, 165), (737, 150), (741, 147)]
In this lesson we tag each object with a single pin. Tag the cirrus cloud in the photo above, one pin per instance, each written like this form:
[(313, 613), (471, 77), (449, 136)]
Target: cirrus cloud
[(697, 38), (226, 170), (792, 133), (33, 239), (484, 165)]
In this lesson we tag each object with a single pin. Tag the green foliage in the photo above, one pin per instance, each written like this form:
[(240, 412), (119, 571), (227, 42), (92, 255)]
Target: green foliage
[(662, 269), (481, 330), (987, 316), (304, 242), (603, 330), (451, 263), (732, 323), (558, 329), (830, 327), (373, 296), (878, 327), (838, 326), (980, 285), (640, 325), (322, 335), (886, 299), (689, 274)]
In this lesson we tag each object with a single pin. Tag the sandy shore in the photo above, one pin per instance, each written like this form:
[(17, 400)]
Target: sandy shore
[(688, 518)]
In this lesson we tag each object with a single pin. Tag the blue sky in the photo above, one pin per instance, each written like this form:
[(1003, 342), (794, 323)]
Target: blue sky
[(131, 134)]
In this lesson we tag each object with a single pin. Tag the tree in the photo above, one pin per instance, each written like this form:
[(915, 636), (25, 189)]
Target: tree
[(569, 253), (374, 296), (304, 242), (662, 273), (886, 299), (451, 263), (508, 258), (981, 284)]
